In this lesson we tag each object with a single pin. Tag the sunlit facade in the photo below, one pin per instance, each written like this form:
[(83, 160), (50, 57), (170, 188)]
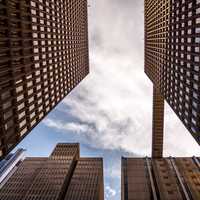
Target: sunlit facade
[(172, 60)]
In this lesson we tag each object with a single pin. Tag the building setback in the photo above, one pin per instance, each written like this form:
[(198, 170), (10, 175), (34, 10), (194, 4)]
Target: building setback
[(160, 178), (43, 56), (172, 62), (63, 175)]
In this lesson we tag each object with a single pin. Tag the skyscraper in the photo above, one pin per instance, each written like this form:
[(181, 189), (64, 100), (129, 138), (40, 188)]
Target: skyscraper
[(172, 62), (43, 56), (63, 176), (160, 178), (10, 164)]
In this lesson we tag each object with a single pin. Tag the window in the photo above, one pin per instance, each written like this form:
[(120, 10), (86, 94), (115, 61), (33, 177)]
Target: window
[(22, 114), (20, 106), (22, 123), (19, 89), (19, 98)]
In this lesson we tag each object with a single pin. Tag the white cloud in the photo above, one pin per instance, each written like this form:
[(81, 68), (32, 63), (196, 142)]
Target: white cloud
[(110, 192), (113, 105), (178, 141)]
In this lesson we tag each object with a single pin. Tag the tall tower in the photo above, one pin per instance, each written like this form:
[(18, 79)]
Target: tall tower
[(61, 176), (172, 62), (43, 56)]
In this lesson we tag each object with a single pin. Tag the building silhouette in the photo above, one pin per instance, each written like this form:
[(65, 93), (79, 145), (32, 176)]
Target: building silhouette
[(43, 56), (63, 176), (160, 178), (172, 63)]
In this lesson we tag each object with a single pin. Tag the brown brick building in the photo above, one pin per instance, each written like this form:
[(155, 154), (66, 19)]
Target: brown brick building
[(160, 178), (172, 62), (63, 176), (43, 56)]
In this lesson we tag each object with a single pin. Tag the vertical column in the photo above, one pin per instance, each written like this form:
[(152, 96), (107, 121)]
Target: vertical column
[(124, 181), (158, 123)]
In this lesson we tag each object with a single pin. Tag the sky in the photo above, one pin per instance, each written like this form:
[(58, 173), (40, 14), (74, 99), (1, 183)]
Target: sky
[(110, 111)]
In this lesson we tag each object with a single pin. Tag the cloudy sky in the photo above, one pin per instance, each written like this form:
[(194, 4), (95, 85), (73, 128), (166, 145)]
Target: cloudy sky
[(110, 112)]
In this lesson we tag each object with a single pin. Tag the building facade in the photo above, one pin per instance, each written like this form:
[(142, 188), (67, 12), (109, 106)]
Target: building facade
[(9, 165), (160, 178), (43, 56), (172, 60), (63, 175)]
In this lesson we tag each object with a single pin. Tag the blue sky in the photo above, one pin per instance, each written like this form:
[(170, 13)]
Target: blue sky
[(42, 140), (110, 112)]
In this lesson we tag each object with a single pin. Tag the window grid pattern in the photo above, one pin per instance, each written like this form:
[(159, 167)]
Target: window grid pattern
[(44, 55), (18, 184), (60, 151), (56, 176), (51, 181), (156, 34), (182, 77), (165, 178), (158, 124), (136, 185), (172, 59), (48, 182), (16, 55), (86, 180), (190, 174)]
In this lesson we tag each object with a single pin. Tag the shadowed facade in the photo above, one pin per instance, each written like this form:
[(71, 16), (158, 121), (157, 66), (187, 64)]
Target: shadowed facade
[(160, 178), (43, 56), (63, 175)]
